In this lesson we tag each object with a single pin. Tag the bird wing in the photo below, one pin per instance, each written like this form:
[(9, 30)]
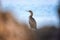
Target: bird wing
[(32, 22)]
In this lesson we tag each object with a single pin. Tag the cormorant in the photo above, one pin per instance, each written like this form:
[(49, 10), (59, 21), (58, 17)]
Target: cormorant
[(32, 21)]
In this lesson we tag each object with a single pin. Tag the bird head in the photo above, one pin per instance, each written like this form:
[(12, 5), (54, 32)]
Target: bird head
[(30, 12)]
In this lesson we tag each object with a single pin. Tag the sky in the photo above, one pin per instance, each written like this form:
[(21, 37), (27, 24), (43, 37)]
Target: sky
[(44, 10)]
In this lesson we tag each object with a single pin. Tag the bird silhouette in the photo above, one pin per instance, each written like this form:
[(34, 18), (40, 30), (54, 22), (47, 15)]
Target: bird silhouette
[(32, 21)]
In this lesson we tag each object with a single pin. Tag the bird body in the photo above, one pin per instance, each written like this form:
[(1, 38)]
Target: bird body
[(32, 21)]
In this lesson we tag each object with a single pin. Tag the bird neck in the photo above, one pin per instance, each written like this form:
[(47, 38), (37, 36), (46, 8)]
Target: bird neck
[(31, 14)]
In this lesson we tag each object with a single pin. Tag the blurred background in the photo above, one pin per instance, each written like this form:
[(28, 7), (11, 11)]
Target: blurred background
[(45, 11)]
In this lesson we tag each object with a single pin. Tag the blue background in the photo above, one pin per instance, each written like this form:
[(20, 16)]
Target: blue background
[(44, 10)]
